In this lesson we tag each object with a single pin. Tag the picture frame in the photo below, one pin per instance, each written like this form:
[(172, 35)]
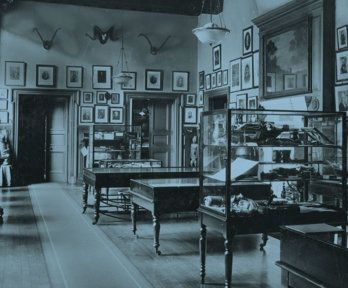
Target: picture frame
[(207, 81), (3, 93), (3, 104), (247, 40), (216, 57), (252, 102), (101, 114), (235, 70), (247, 72), (116, 115), (342, 40), (15, 73), (180, 81), (101, 77), (132, 83), (213, 80), (270, 82), (153, 79), (201, 80), (219, 78), (4, 117), (116, 99), (87, 97), (225, 77), (190, 115), (341, 98), (256, 69), (86, 114), (45, 75), (290, 81), (200, 100), (241, 100), (342, 65), (101, 97), (74, 76), (190, 99)]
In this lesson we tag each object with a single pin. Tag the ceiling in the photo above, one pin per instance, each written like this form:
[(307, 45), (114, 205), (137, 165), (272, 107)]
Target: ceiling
[(181, 7)]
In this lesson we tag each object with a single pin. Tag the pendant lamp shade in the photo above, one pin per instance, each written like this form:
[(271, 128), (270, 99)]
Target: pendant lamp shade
[(210, 33), (123, 76)]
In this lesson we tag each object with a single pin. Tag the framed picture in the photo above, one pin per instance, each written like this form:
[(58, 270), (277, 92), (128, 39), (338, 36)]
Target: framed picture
[(101, 97), (248, 40), (116, 115), (219, 78), (87, 97), (213, 80), (217, 57), (180, 81), (15, 73), (74, 76), (45, 76), (270, 82), (252, 102), (241, 100), (256, 68), (190, 115), (342, 37), (201, 80), (4, 117), (101, 114), (101, 76), (207, 81), (225, 77), (200, 100), (191, 99), (86, 114), (341, 98), (247, 72), (341, 65), (3, 93), (236, 81), (289, 81), (132, 83), (116, 99), (3, 104), (153, 79)]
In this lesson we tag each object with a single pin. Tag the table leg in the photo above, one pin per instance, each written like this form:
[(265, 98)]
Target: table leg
[(134, 210), (156, 227), (96, 204), (264, 240), (203, 250), (84, 197), (228, 257)]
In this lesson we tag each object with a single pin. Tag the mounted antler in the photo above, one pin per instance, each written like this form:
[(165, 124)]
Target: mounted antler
[(47, 44), (154, 50), (102, 36)]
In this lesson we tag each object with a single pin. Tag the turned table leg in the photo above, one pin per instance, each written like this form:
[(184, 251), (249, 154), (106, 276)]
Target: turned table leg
[(156, 227), (228, 257), (96, 204), (264, 240), (134, 209), (203, 250), (84, 197)]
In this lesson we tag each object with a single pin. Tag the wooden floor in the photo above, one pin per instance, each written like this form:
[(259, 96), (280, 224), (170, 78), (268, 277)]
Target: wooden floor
[(23, 263)]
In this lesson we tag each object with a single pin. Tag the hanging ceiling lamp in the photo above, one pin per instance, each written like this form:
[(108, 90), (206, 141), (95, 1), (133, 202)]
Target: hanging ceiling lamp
[(211, 33), (123, 76)]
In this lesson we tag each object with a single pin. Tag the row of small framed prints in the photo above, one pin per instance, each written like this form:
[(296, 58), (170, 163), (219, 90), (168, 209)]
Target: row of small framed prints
[(191, 100), (102, 97), (101, 114), (4, 106)]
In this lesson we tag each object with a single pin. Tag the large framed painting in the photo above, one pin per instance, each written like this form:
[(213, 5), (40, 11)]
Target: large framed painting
[(286, 57)]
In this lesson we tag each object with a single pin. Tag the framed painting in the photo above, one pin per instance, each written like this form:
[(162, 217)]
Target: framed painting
[(190, 99), (74, 76), (213, 80), (256, 69), (207, 81), (217, 57), (153, 79), (289, 81), (116, 115), (247, 72), (87, 98), (101, 77), (341, 98), (248, 40), (116, 99), (341, 66), (236, 81), (201, 80), (219, 78), (242, 103), (45, 75), (180, 81), (342, 37), (132, 83), (101, 114), (190, 115), (225, 77), (86, 115), (15, 73), (200, 100), (101, 97)]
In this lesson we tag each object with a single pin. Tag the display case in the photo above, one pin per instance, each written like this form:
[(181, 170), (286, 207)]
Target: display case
[(288, 150), (114, 143)]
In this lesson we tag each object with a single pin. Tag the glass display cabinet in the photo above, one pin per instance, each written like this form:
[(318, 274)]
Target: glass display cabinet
[(261, 169)]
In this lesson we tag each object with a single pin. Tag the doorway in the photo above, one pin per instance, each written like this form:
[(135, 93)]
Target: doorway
[(42, 147)]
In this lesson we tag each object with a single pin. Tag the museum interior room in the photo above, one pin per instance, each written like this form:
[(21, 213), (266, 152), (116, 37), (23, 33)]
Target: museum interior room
[(173, 143)]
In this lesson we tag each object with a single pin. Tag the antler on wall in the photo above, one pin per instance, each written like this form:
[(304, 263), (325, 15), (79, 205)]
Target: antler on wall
[(102, 36), (154, 50), (47, 44)]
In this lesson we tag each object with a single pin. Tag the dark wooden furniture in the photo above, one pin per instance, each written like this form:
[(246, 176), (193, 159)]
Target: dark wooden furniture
[(115, 177), (160, 196), (311, 257)]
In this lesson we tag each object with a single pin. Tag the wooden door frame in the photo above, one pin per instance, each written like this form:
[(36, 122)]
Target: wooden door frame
[(175, 111), (73, 97)]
